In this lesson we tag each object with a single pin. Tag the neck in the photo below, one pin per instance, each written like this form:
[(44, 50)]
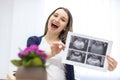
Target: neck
[(50, 38)]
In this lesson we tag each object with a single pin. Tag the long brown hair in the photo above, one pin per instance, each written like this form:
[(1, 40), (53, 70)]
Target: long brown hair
[(63, 33)]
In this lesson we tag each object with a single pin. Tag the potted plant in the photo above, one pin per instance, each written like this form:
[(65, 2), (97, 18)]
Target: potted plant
[(31, 65)]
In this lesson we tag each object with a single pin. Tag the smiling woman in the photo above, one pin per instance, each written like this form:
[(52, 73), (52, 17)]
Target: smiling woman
[(93, 17), (57, 26), (89, 19)]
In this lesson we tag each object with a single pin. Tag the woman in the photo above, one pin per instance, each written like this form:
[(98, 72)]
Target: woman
[(57, 26)]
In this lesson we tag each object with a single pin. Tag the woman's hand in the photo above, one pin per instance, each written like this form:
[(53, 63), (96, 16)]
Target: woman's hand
[(56, 48), (112, 63)]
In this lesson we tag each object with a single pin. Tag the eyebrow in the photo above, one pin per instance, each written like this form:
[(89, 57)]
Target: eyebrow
[(62, 16)]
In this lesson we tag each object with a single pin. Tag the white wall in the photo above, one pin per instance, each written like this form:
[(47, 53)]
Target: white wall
[(6, 13), (20, 19), (27, 21)]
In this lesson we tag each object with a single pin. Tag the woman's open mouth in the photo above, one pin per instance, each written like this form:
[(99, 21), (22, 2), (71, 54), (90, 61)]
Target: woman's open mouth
[(54, 26)]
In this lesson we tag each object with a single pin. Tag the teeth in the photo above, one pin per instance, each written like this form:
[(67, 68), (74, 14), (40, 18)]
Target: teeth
[(54, 25)]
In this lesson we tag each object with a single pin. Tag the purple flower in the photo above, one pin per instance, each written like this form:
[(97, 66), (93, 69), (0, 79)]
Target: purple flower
[(20, 54), (33, 48), (44, 57), (29, 54), (39, 52), (26, 51)]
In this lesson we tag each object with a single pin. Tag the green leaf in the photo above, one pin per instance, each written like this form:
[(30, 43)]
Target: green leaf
[(37, 62), (29, 63), (16, 62), (33, 54), (26, 63)]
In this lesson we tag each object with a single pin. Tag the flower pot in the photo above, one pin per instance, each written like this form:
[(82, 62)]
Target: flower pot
[(31, 73)]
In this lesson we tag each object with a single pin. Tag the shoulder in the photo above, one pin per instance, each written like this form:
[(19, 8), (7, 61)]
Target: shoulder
[(34, 40), (33, 37)]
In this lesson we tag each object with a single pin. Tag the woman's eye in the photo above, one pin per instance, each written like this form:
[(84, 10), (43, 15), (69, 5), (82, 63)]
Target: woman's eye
[(55, 15), (63, 20)]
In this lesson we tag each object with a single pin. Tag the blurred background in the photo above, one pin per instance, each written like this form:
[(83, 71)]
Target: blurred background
[(20, 19)]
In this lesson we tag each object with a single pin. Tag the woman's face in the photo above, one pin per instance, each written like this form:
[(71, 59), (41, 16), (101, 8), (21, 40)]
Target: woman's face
[(57, 21)]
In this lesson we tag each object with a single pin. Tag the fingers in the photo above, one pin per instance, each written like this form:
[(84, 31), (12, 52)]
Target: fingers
[(56, 48), (112, 63), (59, 45)]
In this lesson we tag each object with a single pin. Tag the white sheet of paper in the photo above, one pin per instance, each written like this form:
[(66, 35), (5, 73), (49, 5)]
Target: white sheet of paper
[(86, 51)]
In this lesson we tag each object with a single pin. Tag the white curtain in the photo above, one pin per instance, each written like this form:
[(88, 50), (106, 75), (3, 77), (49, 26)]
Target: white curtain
[(5, 35), (19, 19), (23, 18), (26, 21)]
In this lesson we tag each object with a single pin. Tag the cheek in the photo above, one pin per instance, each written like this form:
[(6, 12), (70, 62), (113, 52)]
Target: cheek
[(49, 23), (64, 25)]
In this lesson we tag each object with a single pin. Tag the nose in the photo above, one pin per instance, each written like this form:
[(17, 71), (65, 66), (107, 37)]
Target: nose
[(57, 19)]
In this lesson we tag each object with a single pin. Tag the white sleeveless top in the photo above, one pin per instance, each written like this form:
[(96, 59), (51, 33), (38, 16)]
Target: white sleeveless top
[(55, 69)]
